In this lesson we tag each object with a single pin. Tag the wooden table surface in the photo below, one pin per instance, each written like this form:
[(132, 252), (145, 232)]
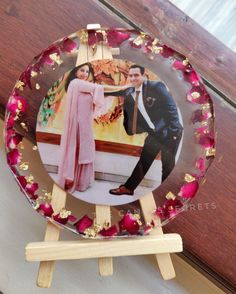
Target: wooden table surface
[(209, 227)]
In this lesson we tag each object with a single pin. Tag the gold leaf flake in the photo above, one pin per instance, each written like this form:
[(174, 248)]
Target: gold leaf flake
[(24, 126), (56, 58), (37, 86), (20, 85), (210, 152), (64, 213), (84, 36), (33, 73), (185, 62), (189, 178), (170, 195), (206, 106), (21, 145), (24, 166), (35, 147), (29, 179), (195, 95)]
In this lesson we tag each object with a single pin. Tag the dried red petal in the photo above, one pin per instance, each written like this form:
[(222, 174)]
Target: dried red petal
[(129, 223), (13, 141), (84, 223), (167, 51), (132, 44), (67, 45), (16, 104), (202, 96), (191, 77), (111, 231), (199, 116), (10, 122), (13, 157), (31, 188), (115, 38), (45, 209), (206, 140), (161, 212), (200, 164), (94, 37), (72, 218), (45, 55), (188, 190), (202, 130), (59, 219), (172, 206), (179, 65), (22, 181)]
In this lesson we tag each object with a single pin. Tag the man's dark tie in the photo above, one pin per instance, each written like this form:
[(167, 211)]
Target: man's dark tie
[(134, 125)]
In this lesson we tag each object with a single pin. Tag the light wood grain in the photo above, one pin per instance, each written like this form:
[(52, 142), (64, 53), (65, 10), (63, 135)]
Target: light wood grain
[(63, 250)]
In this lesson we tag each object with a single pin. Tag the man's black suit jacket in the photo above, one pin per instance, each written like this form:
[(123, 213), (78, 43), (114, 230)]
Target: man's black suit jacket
[(159, 106)]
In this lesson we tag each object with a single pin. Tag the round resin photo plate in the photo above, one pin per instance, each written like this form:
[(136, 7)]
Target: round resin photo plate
[(110, 127)]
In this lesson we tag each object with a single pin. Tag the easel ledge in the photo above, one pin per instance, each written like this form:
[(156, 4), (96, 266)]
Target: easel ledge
[(66, 250)]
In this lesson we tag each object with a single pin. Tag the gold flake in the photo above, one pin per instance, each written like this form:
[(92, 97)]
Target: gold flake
[(64, 213), (84, 36), (170, 195), (195, 95), (20, 85), (29, 179), (37, 86), (33, 73), (210, 152), (24, 166), (56, 58), (206, 106), (185, 62), (24, 126), (137, 218), (189, 178), (35, 147), (21, 145)]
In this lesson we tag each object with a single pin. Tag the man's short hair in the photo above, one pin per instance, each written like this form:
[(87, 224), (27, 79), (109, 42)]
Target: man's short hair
[(142, 69)]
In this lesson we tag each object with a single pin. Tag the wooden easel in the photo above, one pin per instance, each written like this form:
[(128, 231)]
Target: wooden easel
[(50, 250)]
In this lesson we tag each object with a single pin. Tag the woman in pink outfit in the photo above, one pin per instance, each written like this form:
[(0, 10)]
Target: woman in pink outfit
[(76, 167)]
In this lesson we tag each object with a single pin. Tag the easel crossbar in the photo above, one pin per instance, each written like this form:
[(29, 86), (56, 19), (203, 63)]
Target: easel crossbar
[(67, 250)]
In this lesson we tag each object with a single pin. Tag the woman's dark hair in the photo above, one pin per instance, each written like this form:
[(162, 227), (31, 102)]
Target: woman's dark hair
[(72, 74)]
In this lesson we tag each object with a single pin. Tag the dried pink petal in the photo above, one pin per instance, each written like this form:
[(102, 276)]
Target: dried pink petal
[(206, 140), (198, 94), (13, 140), (191, 77), (94, 37), (13, 157), (67, 45), (167, 51), (59, 219), (115, 38), (188, 190), (45, 209), (199, 115), (109, 232), (16, 104), (200, 164), (72, 218), (129, 223), (84, 223)]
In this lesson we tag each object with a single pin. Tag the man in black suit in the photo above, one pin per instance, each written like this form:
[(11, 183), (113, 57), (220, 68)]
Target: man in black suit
[(149, 107)]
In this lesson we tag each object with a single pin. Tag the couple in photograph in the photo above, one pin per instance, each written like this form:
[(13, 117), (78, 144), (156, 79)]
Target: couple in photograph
[(148, 107)]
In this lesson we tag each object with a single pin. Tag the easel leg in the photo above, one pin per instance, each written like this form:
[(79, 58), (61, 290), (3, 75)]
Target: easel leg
[(103, 214), (46, 268), (164, 260)]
